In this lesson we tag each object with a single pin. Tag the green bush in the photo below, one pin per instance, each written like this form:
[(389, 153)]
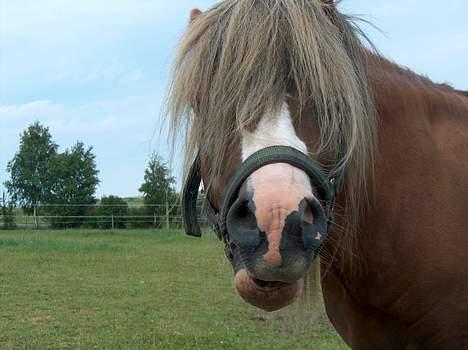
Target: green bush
[(112, 212), (140, 218), (8, 214)]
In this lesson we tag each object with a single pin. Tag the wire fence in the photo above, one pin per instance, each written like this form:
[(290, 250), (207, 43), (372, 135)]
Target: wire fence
[(102, 216)]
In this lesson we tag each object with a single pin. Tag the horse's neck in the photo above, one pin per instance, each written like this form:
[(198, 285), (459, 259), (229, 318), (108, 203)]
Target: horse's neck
[(394, 85), (420, 126)]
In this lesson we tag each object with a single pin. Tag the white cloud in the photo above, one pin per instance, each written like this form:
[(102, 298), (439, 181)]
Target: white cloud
[(114, 72), (104, 115), (35, 109)]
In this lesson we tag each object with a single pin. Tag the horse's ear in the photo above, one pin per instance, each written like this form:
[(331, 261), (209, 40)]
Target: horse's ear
[(330, 9), (194, 14), (329, 2)]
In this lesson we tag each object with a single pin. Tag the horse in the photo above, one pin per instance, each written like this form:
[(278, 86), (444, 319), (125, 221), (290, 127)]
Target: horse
[(310, 144)]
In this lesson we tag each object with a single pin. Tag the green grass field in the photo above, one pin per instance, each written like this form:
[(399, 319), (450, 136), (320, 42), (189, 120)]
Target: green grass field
[(88, 289)]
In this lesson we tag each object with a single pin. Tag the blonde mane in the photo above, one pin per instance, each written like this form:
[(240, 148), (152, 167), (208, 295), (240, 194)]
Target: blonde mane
[(242, 57)]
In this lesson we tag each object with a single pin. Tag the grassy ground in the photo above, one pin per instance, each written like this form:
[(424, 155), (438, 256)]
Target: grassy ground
[(134, 290)]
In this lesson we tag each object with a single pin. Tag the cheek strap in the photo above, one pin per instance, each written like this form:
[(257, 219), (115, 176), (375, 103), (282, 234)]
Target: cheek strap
[(189, 200)]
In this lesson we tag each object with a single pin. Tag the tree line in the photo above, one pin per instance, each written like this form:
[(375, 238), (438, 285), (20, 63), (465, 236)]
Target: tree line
[(61, 186)]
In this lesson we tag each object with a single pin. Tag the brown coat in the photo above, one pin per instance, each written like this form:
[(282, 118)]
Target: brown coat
[(412, 291)]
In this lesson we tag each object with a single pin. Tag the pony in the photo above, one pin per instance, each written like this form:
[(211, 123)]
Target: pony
[(310, 143)]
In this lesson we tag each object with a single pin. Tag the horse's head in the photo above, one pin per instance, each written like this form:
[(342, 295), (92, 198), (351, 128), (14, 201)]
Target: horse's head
[(270, 93), (274, 205)]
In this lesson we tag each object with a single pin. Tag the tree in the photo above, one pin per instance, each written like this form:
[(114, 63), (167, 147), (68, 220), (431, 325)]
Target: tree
[(112, 212), (30, 182), (75, 179), (159, 195)]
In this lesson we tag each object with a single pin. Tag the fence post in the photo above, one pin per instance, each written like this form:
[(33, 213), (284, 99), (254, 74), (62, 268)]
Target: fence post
[(167, 214), (35, 216), (112, 221)]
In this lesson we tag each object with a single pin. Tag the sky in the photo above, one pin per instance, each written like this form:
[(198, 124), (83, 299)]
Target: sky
[(96, 71)]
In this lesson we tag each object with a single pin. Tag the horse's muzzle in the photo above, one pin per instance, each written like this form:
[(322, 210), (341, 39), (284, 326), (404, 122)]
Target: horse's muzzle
[(283, 256)]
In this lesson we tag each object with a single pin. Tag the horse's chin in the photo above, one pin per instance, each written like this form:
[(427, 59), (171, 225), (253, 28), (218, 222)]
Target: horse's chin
[(269, 296)]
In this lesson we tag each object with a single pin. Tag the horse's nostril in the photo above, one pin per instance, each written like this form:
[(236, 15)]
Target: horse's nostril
[(242, 224), (241, 211), (314, 224)]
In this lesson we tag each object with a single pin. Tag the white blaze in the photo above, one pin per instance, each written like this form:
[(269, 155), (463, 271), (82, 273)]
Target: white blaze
[(272, 130), (275, 130), (279, 188)]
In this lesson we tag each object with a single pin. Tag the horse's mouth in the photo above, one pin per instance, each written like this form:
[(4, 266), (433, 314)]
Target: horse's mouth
[(267, 285), (266, 295)]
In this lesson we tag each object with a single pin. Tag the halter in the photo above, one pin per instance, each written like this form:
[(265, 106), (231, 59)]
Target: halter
[(327, 188)]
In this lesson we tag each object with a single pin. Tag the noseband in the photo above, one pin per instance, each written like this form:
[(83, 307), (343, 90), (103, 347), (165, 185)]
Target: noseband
[(327, 189)]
